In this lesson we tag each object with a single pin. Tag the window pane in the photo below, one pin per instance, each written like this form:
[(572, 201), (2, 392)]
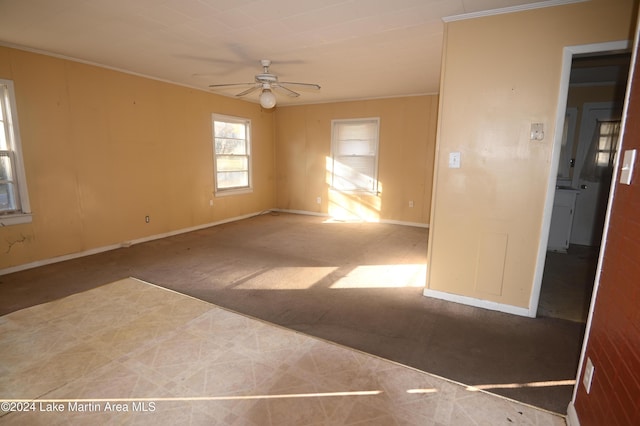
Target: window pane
[(602, 159), (5, 167), (4, 145), (227, 163), (4, 95), (362, 165), (233, 179), (354, 173), (231, 146), (229, 130), (13, 193), (360, 130), (608, 127), (356, 147), (7, 199)]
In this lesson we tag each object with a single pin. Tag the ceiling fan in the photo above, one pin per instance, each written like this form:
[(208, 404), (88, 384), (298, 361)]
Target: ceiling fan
[(265, 81)]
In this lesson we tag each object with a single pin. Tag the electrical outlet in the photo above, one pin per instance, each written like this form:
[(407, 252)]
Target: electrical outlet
[(589, 369), (411, 203), (319, 200), (147, 219)]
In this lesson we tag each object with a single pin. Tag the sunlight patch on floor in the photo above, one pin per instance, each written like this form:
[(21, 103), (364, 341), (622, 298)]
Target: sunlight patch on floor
[(287, 278), (545, 384), (383, 276)]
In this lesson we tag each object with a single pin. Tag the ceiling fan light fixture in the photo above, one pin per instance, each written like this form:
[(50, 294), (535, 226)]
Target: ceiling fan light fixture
[(267, 99), (266, 81)]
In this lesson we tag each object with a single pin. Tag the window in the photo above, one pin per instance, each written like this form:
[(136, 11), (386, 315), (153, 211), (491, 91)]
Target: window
[(354, 155), (607, 140), (232, 153), (598, 164), (14, 200)]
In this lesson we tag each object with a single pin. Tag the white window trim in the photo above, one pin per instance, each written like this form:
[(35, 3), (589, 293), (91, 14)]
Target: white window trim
[(376, 189), (231, 191), (24, 216)]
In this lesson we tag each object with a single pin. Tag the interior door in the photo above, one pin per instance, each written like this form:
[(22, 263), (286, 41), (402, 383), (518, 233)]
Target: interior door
[(591, 202)]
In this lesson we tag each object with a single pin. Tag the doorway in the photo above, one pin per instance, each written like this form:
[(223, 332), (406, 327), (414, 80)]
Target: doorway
[(595, 96)]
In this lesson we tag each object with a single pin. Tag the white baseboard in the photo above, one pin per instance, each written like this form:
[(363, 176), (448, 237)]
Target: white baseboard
[(304, 212), (404, 223), (572, 415), (478, 303), (386, 221), (122, 244)]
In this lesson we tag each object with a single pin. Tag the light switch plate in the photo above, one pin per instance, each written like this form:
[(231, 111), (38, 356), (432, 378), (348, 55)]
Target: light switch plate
[(628, 163), (454, 160), (587, 378), (537, 131)]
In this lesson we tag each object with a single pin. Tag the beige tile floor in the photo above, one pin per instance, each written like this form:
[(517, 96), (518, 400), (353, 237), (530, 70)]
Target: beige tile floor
[(161, 357)]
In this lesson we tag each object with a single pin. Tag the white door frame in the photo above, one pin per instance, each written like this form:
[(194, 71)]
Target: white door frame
[(567, 57)]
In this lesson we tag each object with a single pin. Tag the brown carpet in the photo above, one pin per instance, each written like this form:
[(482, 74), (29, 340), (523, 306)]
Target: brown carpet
[(340, 282)]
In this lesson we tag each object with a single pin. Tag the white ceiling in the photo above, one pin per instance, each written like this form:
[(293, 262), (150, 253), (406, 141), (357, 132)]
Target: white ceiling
[(355, 49)]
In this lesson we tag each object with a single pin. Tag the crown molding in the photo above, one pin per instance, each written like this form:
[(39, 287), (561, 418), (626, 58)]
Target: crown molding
[(510, 9)]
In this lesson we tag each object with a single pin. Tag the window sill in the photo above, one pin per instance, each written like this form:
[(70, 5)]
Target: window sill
[(239, 191), (15, 219)]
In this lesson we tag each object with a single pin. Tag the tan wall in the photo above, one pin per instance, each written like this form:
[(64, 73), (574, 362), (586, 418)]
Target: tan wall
[(405, 169), (103, 149), (500, 74)]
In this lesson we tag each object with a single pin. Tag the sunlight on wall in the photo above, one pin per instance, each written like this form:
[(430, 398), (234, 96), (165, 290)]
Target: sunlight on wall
[(384, 276), (349, 205)]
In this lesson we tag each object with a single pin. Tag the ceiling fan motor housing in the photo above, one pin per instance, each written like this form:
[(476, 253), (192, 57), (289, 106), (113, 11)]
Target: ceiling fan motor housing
[(266, 78)]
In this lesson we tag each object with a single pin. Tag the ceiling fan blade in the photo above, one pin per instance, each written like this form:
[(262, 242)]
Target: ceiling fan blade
[(251, 90), (231, 85), (205, 59), (306, 85), (285, 90)]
